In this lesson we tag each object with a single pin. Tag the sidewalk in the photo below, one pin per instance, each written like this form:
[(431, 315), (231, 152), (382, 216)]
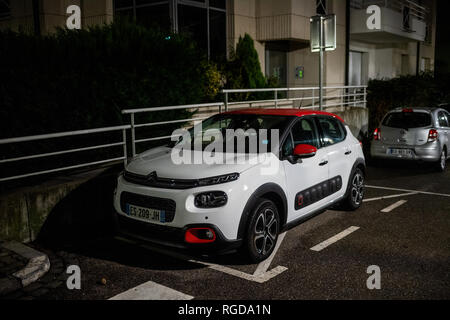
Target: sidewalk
[(10, 262), (27, 273)]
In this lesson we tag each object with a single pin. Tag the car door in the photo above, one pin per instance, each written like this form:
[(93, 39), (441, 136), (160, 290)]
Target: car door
[(333, 137), (302, 177)]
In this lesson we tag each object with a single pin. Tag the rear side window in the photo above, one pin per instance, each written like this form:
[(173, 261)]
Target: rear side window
[(332, 130), (407, 120), (442, 118)]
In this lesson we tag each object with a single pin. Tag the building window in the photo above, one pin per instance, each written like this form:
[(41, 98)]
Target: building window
[(321, 7), (429, 33), (406, 18), (5, 10), (150, 13), (203, 20), (425, 64), (276, 65)]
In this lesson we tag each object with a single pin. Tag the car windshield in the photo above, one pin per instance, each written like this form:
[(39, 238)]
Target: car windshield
[(245, 126), (407, 120)]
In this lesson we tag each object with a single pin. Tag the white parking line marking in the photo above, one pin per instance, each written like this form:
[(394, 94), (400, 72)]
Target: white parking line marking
[(391, 196), (264, 265), (334, 239), (393, 206), (151, 291), (259, 278), (405, 190)]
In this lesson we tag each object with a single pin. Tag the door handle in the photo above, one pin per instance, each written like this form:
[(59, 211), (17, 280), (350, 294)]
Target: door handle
[(348, 152), (323, 163)]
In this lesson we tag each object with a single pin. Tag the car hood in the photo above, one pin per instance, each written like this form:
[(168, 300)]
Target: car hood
[(160, 160)]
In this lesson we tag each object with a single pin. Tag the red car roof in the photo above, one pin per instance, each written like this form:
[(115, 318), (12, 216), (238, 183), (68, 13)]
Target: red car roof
[(283, 112)]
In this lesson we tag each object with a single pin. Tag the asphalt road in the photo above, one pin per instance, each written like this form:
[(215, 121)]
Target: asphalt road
[(410, 244)]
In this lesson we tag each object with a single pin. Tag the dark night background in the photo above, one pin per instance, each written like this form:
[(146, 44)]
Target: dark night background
[(443, 37)]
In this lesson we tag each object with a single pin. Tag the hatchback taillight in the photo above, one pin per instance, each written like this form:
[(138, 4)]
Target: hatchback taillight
[(377, 134), (432, 135)]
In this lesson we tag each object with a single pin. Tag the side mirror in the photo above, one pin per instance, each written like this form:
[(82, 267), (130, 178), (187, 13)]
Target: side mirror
[(302, 151)]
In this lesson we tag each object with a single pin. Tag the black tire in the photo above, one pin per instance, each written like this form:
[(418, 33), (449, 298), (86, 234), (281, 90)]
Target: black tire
[(355, 191), (442, 162), (262, 233)]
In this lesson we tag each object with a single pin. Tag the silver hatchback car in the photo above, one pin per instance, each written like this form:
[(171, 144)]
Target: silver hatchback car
[(421, 134)]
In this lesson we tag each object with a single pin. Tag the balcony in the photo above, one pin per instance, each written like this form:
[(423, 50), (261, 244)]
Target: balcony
[(401, 21)]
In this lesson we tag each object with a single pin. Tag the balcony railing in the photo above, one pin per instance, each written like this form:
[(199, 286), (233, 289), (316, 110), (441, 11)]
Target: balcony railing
[(415, 10)]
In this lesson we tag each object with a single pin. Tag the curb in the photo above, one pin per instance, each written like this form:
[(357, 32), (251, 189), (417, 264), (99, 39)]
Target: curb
[(38, 265)]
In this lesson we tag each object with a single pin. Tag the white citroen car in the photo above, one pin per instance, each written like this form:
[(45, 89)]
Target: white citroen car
[(243, 202)]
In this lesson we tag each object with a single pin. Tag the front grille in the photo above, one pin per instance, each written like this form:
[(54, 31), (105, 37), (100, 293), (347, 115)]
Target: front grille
[(167, 205), (150, 231), (152, 180)]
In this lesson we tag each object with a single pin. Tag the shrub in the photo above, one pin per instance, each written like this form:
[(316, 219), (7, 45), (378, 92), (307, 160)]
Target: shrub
[(243, 71), (78, 79), (82, 79), (423, 90)]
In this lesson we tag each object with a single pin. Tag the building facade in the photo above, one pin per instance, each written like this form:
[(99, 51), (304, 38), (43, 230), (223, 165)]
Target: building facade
[(402, 45)]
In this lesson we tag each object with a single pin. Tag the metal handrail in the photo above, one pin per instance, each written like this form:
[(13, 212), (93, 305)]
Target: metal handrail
[(134, 126), (122, 143), (355, 96), (313, 98), (348, 97)]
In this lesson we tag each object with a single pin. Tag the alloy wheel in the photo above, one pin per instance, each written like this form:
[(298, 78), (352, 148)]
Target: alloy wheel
[(357, 190), (265, 232)]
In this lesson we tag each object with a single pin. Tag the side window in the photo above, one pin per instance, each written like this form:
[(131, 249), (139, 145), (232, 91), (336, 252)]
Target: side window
[(442, 118), (304, 132), (332, 131)]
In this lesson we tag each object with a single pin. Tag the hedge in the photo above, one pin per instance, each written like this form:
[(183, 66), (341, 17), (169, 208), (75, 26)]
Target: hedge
[(82, 79), (78, 79), (423, 90)]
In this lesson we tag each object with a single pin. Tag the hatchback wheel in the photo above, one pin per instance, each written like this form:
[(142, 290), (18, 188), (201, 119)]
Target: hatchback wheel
[(355, 191), (262, 231), (442, 161)]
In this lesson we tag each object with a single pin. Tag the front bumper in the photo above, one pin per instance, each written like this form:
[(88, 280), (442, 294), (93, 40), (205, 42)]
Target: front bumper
[(172, 236), (429, 152), (181, 214)]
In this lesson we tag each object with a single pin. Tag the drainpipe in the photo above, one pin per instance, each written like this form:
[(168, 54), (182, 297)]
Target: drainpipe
[(418, 58), (36, 18), (347, 41)]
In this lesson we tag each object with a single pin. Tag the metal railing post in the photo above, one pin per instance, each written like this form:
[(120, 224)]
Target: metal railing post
[(365, 97), (226, 101), (133, 137), (276, 98), (125, 153)]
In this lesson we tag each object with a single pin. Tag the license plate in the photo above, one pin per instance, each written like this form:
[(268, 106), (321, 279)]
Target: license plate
[(146, 214), (400, 152)]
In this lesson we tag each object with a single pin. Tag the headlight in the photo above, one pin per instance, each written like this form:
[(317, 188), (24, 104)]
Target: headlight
[(219, 179), (212, 199)]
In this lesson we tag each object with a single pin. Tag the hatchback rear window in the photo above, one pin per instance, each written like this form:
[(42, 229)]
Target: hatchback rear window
[(407, 120)]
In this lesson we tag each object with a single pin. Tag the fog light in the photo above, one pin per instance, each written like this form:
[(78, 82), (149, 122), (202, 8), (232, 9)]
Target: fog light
[(212, 199), (200, 235)]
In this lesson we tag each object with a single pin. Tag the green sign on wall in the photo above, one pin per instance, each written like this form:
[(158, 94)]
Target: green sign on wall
[(299, 72)]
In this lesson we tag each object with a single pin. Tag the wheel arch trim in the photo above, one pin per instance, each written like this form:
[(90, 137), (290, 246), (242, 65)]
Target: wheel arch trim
[(268, 188)]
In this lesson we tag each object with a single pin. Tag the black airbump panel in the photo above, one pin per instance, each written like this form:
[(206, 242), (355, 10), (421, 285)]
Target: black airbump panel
[(318, 192)]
